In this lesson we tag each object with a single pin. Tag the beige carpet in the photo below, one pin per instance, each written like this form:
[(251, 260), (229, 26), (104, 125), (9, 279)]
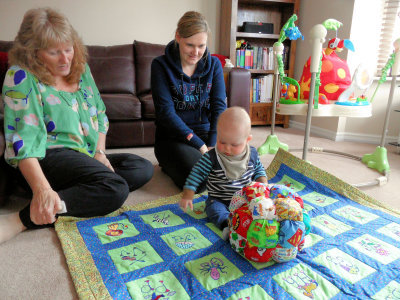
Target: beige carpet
[(32, 265)]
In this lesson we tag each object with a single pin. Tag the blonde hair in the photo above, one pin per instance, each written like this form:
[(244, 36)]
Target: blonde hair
[(191, 23), (236, 118), (43, 28)]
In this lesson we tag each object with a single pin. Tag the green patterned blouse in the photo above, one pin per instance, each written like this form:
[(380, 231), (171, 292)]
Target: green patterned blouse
[(39, 117)]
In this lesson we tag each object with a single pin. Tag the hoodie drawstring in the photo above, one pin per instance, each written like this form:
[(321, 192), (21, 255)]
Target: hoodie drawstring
[(199, 93), (182, 85)]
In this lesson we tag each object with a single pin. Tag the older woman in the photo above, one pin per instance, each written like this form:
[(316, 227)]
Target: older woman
[(55, 127)]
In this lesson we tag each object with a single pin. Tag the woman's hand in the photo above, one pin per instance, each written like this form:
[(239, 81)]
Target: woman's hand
[(45, 202), (203, 149), (100, 155), (103, 159), (44, 206)]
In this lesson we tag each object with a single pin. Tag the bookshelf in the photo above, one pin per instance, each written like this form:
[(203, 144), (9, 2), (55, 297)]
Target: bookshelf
[(233, 15)]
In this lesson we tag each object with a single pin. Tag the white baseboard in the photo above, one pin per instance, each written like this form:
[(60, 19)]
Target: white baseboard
[(343, 136)]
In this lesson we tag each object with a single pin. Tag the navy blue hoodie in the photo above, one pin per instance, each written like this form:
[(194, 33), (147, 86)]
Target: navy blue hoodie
[(187, 106)]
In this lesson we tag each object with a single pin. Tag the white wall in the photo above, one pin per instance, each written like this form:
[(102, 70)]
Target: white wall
[(106, 22)]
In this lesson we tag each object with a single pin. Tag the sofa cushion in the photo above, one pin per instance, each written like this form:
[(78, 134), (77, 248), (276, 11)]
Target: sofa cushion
[(113, 68), (127, 134), (144, 55), (3, 65), (148, 111), (122, 107), (5, 46)]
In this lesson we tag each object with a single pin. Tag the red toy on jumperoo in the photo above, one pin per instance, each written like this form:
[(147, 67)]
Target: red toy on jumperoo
[(335, 75)]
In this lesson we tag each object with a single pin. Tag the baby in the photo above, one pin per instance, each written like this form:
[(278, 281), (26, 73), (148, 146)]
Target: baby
[(226, 168)]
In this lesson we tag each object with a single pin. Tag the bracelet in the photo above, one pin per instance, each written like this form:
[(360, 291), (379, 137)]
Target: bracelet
[(100, 151)]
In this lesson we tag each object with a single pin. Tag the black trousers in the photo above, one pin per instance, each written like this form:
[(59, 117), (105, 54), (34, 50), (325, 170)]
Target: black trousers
[(177, 160), (88, 187)]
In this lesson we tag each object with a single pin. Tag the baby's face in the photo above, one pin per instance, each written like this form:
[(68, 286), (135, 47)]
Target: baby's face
[(231, 141)]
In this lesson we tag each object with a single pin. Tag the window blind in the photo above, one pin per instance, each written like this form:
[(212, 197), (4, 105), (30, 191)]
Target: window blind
[(390, 31)]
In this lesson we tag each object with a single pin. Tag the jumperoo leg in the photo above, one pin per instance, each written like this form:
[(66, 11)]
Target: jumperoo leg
[(272, 144), (317, 34), (378, 160), (309, 116)]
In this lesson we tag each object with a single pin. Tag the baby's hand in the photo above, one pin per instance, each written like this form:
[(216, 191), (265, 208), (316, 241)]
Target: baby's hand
[(184, 203), (187, 199)]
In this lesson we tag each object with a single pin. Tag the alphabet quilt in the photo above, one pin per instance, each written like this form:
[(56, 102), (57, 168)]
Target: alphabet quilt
[(157, 251)]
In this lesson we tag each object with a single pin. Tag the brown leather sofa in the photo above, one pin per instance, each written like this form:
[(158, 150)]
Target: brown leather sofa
[(122, 74)]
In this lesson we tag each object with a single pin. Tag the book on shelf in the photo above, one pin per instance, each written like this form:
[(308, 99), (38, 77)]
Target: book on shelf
[(242, 58), (271, 58), (265, 59), (260, 58), (255, 55), (261, 90), (248, 59)]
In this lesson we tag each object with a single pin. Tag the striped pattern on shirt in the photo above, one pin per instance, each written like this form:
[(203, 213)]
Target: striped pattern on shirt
[(218, 185)]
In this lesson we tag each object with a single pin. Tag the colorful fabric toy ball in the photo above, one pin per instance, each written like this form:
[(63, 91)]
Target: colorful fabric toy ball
[(258, 254), (307, 222), (254, 190), (264, 228), (263, 208), (282, 191), (291, 233), (263, 233), (281, 255), (238, 200), (241, 220), (288, 209)]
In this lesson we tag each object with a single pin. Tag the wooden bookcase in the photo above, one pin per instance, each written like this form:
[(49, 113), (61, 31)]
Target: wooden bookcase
[(277, 12)]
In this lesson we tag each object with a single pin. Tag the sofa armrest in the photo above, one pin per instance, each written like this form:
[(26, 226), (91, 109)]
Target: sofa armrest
[(238, 89)]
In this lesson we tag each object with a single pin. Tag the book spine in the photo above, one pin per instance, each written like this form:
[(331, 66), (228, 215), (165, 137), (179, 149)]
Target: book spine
[(259, 58), (257, 90), (254, 90), (242, 58), (238, 58), (265, 59), (255, 55), (247, 59), (271, 58)]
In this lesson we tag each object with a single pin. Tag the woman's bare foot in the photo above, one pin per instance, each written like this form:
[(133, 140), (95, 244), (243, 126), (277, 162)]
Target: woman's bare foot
[(10, 226)]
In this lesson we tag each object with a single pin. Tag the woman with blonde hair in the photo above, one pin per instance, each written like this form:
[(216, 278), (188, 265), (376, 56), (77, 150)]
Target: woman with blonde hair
[(55, 128), (189, 94)]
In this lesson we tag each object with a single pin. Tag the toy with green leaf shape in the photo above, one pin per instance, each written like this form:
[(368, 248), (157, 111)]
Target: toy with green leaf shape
[(378, 159), (291, 31)]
